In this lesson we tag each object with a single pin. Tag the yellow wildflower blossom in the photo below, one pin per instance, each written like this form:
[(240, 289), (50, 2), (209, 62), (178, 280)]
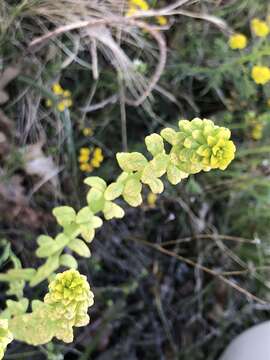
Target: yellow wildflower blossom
[(260, 74), (61, 106), (238, 41), (49, 103), (85, 151), (140, 4), (162, 20), (97, 158), (257, 131), (83, 158), (67, 93), (259, 27), (57, 89), (151, 199), (87, 131), (86, 167)]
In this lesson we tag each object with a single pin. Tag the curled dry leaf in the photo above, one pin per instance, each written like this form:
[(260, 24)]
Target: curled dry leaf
[(37, 163)]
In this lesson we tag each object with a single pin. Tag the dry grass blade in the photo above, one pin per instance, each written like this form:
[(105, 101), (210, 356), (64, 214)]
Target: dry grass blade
[(192, 263)]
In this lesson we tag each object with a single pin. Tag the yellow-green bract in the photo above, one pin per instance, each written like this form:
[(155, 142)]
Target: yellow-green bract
[(5, 336), (65, 306)]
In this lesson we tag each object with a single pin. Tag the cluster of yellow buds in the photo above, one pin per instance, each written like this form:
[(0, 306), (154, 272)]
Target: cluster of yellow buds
[(64, 100), (69, 298), (135, 5), (90, 158)]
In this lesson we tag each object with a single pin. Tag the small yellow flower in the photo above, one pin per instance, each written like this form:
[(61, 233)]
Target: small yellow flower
[(85, 151), (257, 132), (131, 11), (57, 89), (162, 20), (49, 103), (61, 106), (238, 41), (97, 158), (95, 163), (140, 4), (67, 93), (259, 27), (87, 131), (151, 199), (260, 74), (86, 167), (83, 158), (67, 103), (64, 98)]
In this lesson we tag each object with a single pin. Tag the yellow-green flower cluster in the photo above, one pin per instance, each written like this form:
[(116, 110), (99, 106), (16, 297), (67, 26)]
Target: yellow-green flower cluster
[(69, 298), (135, 5), (90, 158), (64, 100), (201, 145), (5, 337)]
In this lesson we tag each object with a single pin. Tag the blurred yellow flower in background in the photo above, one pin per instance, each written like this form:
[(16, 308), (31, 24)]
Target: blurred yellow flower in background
[(259, 27), (142, 5), (87, 131), (260, 74), (90, 158), (257, 131), (64, 100), (162, 20), (151, 199), (238, 41)]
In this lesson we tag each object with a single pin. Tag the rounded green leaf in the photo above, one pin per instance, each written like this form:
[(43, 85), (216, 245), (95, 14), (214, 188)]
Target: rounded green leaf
[(51, 247), (79, 247), (159, 165), (96, 183), (68, 261), (113, 191), (154, 144), (95, 200), (112, 210), (46, 270), (85, 215), (87, 232), (96, 222), (156, 186), (131, 161), (133, 200), (175, 175), (169, 135), (65, 215)]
